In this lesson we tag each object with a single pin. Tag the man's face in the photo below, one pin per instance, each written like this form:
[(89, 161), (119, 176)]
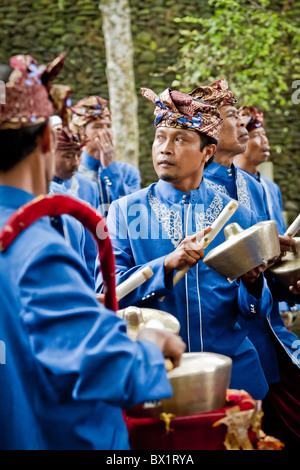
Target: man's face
[(177, 157), (233, 134), (66, 163), (93, 129), (258, 150)]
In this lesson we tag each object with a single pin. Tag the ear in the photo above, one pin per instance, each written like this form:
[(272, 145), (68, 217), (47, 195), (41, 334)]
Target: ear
[(209, 151), (47, 139)]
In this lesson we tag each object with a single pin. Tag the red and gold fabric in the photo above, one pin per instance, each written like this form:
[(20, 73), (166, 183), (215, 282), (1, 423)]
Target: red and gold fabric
[(217, 94), (180, 110), (252, 117), (31, 97)]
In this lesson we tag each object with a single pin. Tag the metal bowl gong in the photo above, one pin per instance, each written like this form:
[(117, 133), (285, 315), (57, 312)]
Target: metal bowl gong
[(244, 250), (287, 271), (139, 318), (199, 384)]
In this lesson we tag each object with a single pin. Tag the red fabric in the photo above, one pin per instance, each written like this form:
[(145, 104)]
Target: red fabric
[(282, 404), (56, 205), (28, 92), (194, 432)]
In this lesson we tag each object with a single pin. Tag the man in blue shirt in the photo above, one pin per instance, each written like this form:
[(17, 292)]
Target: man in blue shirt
[(70, 366), (234, 141), (160, 225), (68, 181), (222, 174), (91, 118), (257, 152)]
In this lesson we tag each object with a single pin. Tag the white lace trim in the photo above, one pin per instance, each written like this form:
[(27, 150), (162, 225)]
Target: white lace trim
[(242, 190), (89, 174), (74, 188), (220, 188), (206, 219), (171, 219), (241, 187)]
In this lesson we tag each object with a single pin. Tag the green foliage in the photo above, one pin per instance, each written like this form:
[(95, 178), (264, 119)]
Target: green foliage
[(255, 47)]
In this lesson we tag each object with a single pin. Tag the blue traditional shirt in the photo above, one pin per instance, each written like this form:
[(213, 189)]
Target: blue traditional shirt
[(151, 223), (114, 181), (87, 244), (274, 200), (243, 187), (81, 188), (239, 185), (70, 367)]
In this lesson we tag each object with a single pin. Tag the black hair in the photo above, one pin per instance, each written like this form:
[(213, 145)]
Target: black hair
[(206, 140), (16, 144)]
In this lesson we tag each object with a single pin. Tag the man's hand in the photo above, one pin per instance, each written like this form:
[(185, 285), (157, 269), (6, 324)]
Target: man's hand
[(188, 253), (251, 276), (170, 344), (295, 289), (286, 244), (101, 147), (106, 146)]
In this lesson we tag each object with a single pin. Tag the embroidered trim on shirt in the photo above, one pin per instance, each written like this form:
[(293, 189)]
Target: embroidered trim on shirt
[(242, 190), (89, 174), (74, 188), (171, 220), (220, 188), (206, 219)]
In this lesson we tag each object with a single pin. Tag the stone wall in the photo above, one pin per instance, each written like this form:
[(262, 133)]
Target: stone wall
[(44, 28)]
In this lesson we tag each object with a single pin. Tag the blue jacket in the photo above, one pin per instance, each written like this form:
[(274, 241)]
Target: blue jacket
[(81, 188), (70, 367), (239, 185), (114, 181), (148, 225), (263, 331), (87, 246)]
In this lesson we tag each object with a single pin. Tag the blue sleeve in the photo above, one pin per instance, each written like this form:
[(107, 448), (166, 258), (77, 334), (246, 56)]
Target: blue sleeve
[(78, 341), (158, 284), (120, 180)]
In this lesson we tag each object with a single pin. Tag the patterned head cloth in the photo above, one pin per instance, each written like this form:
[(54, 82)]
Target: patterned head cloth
[(216, 94), (253, 118), (91, 108), (180, 110), (67, 140), (30, 96)]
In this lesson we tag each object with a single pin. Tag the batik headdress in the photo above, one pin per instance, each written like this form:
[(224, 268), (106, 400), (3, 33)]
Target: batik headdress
[(91, 108), (216, 94), (253, 118), (31, 98), (180, 110), (68, 140)]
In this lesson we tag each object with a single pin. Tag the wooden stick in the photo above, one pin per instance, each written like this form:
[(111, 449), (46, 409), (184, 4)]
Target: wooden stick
[(216, 226), (133, 282), (293, 228)]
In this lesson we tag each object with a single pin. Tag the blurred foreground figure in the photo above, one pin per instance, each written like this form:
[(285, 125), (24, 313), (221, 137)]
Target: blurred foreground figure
[(70, 366)]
